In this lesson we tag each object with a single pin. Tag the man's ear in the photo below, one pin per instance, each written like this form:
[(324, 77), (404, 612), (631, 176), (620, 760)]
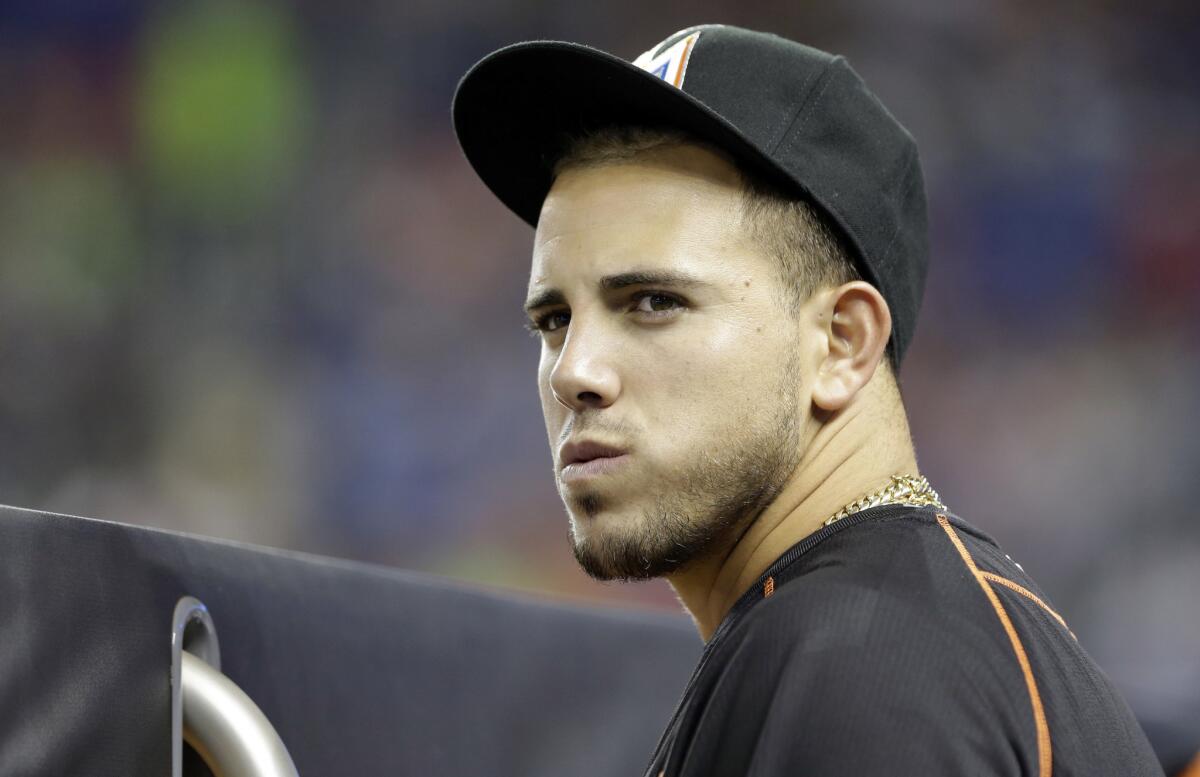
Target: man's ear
[(854, 326)]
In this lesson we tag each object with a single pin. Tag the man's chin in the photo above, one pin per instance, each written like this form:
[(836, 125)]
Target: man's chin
[(614, 545), (606, 561)]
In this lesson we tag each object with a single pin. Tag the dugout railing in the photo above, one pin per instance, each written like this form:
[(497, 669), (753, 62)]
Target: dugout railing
[(358, 669)]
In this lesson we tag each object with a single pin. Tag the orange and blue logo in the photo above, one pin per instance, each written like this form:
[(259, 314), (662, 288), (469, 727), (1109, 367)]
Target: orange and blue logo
[(671, 64)]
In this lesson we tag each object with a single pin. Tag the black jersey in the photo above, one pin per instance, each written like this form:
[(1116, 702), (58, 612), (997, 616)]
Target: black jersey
[(899, 641)]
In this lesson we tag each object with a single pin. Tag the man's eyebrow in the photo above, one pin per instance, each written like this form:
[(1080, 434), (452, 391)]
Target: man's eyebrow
[(671, 278), (544, 298), (677, 280)]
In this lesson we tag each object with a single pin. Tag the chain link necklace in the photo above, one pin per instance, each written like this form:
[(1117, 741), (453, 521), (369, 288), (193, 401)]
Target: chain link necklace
[(911, 490)]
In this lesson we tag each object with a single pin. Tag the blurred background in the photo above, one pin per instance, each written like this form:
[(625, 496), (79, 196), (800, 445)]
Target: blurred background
[(249, 287)]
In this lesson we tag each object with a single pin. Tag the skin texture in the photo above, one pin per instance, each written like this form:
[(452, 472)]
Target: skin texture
[(666, 335)]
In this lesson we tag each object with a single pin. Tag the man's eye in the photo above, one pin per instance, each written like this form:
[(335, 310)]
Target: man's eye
[(657, 302), (551, 321)]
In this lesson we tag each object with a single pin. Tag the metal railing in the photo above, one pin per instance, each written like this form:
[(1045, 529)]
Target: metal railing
[(210, 712)]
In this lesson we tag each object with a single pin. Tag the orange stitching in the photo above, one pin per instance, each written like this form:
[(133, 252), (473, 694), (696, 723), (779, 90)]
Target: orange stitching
[(1004, 581), (768, 587), (1045, 758)]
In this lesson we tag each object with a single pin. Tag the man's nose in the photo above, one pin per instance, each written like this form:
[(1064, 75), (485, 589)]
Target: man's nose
[(584, 376)]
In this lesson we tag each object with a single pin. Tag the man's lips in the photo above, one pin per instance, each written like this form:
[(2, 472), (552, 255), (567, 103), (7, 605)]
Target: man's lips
[(588, 458)]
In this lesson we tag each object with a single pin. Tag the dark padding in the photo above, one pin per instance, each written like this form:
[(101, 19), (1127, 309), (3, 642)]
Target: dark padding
[(363, 670)]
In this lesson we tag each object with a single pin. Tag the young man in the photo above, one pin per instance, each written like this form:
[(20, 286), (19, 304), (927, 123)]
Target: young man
[(728, 263)]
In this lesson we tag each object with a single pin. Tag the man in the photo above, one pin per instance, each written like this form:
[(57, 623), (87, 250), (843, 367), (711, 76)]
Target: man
[(727, 266)]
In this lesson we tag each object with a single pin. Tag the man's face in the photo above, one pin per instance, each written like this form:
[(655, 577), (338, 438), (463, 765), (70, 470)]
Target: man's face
[(668, 372)]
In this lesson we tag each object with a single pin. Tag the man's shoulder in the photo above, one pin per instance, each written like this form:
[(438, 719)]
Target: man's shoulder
[(869, 639), (899, 579), (915, 631), (885, 609)]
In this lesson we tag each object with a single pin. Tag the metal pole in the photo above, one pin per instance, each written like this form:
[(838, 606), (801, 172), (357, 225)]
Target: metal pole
[(226, 728)]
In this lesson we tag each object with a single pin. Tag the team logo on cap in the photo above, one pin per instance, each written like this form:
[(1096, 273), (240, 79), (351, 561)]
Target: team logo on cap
[(671, 64)]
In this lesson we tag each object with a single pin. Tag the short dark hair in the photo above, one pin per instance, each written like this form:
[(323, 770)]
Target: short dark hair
[(809, 250)]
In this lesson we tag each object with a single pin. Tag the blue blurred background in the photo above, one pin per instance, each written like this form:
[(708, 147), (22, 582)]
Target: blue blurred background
[(250, 288)]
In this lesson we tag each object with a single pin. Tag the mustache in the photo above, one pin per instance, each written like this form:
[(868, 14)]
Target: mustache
[(594, 424)]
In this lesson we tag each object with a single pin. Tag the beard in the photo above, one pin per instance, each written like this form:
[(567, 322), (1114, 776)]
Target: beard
[(711, 502)]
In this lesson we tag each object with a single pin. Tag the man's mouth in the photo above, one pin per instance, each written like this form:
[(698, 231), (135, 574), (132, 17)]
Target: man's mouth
[(584, 459)]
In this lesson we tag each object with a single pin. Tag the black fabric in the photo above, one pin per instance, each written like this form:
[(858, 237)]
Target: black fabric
[(363, 670), (878, 652), (798, 116)]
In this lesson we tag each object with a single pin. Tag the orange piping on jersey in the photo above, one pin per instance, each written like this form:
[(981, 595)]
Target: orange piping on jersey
[(1039, 714), (1192, 769), (1004, 581)]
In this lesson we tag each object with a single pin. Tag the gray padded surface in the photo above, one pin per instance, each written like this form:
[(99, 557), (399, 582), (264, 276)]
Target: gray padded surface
[(363, 670)]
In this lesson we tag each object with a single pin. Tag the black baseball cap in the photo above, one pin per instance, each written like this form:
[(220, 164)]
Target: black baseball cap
[(798, 117)]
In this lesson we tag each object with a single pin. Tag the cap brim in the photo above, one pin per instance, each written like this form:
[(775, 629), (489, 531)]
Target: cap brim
[(516, 107)]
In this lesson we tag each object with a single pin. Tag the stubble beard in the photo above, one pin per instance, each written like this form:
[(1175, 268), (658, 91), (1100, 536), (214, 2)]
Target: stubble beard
[(714, 501)]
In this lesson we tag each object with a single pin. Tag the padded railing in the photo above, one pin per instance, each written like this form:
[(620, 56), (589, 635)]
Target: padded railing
[(360, 669)]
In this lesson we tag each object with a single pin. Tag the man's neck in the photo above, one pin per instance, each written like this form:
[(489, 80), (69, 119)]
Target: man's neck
[(844, 460)]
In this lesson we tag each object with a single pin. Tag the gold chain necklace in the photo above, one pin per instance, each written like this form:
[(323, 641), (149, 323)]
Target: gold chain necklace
[(903, 490)]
